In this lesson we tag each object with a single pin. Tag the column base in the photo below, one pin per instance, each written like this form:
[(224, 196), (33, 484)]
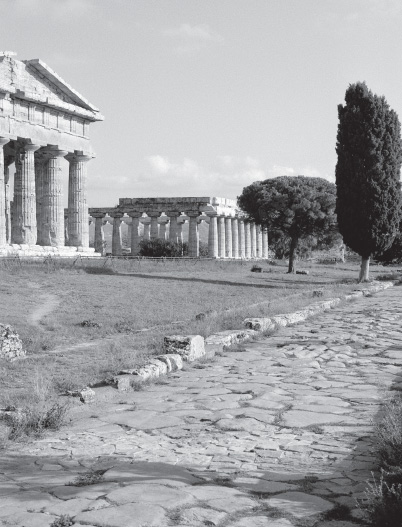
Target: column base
[(16, 249)]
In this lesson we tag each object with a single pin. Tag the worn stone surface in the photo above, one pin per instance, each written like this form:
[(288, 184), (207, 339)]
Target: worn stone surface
[(276, 435), (10, 343), (190, 347)]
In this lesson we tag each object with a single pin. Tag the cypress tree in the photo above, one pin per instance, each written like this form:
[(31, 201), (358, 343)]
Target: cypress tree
[(369, 149)]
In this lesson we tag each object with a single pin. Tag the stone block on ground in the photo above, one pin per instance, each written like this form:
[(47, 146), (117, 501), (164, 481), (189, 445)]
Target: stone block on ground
[(122, 382), (259, 324), (10, 343), (231, 337), (86, 395), (173, 361), (189, 347)]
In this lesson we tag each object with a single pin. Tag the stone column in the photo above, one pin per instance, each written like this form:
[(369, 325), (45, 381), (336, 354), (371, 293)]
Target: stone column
[(242, 245), (99, 242), (173, 217), (52, 213), (265, 243), (221, 237), (66, 241), (235, 238), (193, 236), (8, 160), (3, 223), (116, 234), (259, 242), (135, 232), (163, 221), (253, 240), (228, 237), (147, 225), (40, 161), (154, 224), (247, 239), (24, 196), (78, 229), (180, 222), (213, 235)]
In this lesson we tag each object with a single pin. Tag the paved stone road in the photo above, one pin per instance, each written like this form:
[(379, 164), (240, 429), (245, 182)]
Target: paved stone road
[(276, 434)]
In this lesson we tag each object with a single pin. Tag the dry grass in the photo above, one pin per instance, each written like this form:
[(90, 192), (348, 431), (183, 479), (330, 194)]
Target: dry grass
[(80, 327)]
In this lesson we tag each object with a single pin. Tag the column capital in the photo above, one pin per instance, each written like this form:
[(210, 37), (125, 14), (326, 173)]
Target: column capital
[(54, 152), (154, 214), (116, 214), (134, 214), (193, 213), (172, 213), (98, 214), (28, 147), (78, 158), (4, 141), (162, 220)]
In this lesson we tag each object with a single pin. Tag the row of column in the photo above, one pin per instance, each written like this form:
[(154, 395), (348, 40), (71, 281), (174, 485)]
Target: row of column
[(37, 216), (228, 237)]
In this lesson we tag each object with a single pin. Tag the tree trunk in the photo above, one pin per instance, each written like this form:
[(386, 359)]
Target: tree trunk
[(292, 255), (364, 270)]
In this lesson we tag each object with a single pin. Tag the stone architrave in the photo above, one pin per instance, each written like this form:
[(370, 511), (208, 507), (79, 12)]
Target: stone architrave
[(135, 232), (193, 235), (117, 246), (163, 221), (8, 160), (78, 228), (221, 237), (264, 233), (228, 237), (235, 238), (173, 217), (247, 239), (24, 195), (242, 243), (3, 223), (52, 213), (99, 233), (259, 241), (154, 231), (213, 235), (253, 237)]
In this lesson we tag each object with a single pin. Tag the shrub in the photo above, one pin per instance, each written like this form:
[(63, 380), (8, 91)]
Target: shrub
[(35, 420), (64, 521), (162, 248)]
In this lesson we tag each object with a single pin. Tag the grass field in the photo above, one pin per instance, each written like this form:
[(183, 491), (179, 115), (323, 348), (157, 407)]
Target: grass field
[(82, 323)]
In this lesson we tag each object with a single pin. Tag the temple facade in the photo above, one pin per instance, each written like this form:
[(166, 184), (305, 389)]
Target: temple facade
[(230, 233), (42, 120)]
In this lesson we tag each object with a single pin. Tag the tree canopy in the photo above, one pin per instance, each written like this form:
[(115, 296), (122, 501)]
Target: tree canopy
[(369, 152), (297, 206)]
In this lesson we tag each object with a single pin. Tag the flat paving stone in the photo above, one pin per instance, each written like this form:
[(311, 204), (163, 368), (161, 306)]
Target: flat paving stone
[(262, 521), (299, 504), (129, 515)]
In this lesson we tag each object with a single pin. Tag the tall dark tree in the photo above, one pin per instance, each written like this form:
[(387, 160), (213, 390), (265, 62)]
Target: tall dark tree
[(296, 206), (369, 152)]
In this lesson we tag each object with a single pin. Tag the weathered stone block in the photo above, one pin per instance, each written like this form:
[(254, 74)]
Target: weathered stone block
[(123, 382), (10, 343), (173, 361), (231, 337), (259, 324), (86, 395), (162, 367), (189, 347)]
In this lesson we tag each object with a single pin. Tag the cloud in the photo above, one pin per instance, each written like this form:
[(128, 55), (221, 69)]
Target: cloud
[(190, 39)]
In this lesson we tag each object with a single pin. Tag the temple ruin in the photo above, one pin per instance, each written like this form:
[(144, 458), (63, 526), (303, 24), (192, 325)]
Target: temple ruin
[(230, 233), (42, 120)]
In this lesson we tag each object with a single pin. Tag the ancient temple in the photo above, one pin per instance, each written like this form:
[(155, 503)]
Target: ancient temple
[(42, 120), (230, 233)]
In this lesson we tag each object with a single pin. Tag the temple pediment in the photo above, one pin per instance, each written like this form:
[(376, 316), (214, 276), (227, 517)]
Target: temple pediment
[(35, 82)]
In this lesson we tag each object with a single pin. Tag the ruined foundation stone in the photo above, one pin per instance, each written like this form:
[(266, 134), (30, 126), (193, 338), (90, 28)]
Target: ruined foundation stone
[(189, 347), (10, 343)]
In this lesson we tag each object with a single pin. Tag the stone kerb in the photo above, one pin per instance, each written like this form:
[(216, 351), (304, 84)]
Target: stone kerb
[(189, 347)]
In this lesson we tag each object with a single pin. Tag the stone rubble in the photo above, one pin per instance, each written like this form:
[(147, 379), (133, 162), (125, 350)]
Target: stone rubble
[(10, 343), (277, 433)]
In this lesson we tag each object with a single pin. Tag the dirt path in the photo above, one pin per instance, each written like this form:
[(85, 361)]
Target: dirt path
[(277, 434)]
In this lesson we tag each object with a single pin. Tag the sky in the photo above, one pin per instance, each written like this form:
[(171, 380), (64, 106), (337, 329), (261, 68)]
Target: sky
[(204, 97)]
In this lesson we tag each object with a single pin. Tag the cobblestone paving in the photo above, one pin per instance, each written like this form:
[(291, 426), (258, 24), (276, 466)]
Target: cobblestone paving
[(275, 434)]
